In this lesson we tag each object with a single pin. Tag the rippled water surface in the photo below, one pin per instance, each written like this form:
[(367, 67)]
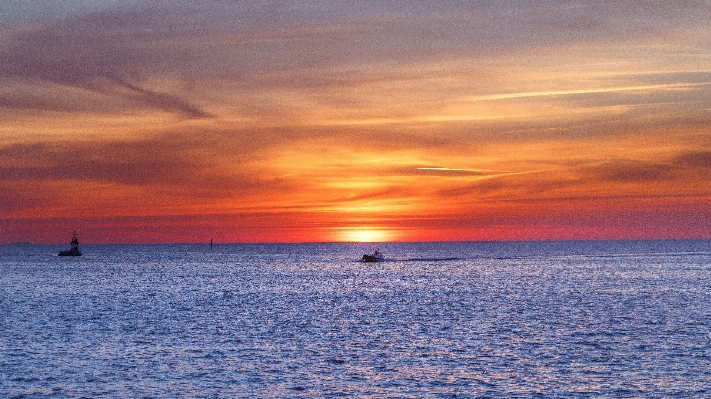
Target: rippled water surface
[(437, 320)]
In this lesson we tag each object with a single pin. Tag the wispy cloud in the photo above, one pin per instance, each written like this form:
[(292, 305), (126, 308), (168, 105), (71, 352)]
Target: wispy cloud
[(668, 86), (96, 53), (441, 171)]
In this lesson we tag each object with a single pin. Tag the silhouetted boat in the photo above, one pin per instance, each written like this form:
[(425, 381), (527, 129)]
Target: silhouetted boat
[(74, 250), (376, 256)]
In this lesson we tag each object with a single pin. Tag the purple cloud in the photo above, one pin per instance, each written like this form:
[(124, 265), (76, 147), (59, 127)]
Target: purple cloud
[(98, 52)]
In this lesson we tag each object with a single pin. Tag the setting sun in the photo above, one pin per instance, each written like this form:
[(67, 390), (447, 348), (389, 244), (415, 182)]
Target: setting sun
[(366, 234)]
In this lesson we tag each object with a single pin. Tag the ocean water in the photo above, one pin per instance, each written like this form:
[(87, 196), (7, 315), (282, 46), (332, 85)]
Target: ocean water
[(612, 319)]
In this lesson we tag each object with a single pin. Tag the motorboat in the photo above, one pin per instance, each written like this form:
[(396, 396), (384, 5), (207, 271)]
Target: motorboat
[(74, 250), (376, 256)]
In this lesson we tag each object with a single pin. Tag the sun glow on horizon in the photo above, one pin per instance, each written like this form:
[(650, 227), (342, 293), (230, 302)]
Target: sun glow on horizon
[(364, 234)]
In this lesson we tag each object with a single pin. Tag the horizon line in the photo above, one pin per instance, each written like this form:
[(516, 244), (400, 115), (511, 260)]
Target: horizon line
[(208, 243)]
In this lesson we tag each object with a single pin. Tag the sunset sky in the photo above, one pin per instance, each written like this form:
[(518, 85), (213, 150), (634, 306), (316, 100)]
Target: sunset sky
[(363, 120)]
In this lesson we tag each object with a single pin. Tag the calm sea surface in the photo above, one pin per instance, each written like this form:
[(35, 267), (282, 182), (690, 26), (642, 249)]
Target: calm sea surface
[(437, 320)]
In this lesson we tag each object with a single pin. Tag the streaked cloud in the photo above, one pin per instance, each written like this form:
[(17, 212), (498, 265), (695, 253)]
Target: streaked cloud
[(96, 53), (671, 86)]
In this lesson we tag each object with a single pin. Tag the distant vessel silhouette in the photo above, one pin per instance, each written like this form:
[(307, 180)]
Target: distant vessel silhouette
[(376, 256), (74, 250)]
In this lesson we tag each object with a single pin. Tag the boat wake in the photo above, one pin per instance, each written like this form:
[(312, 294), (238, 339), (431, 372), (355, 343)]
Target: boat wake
[(389, 260)]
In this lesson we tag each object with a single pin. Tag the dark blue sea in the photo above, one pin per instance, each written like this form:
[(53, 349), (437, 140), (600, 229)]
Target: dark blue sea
[(596, 319)]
